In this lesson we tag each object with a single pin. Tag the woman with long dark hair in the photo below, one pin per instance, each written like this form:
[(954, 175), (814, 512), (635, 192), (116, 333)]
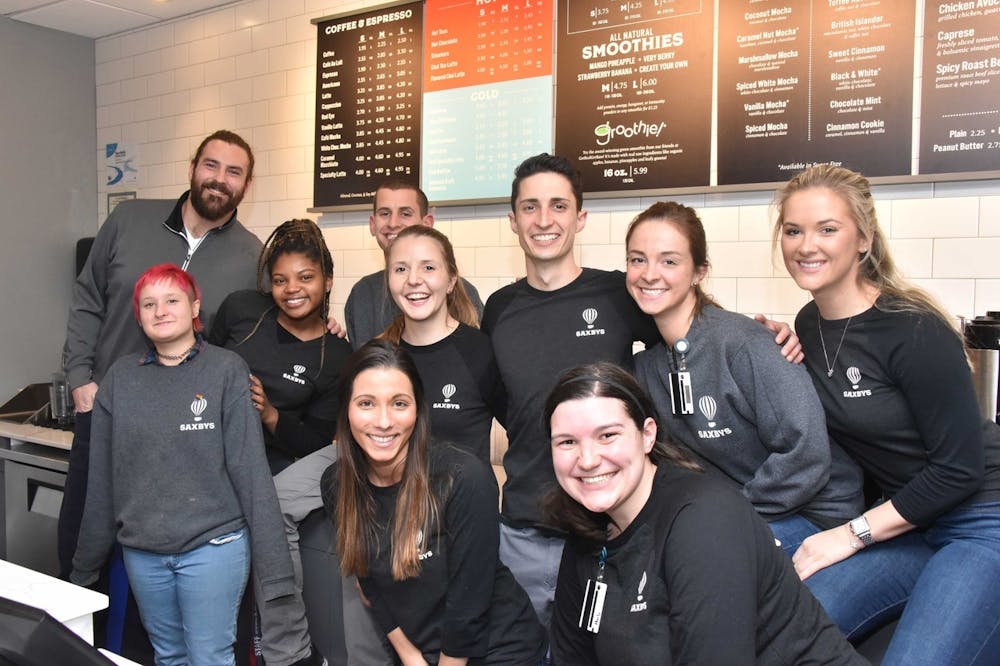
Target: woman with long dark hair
[(417, 523), (894, 380), (664, 564), (179, 478)]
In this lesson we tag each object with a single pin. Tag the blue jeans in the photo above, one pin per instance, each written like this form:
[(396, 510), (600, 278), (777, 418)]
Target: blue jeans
[(189, 601), (946, 578), (791, 532)]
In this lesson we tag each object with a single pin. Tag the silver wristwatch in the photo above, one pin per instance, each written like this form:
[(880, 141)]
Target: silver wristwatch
[(860, 529)]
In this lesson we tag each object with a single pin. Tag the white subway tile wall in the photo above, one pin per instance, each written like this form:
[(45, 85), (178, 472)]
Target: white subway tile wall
[(250, 67)]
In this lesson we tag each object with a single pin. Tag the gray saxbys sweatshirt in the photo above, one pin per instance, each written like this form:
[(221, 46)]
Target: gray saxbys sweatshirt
[(177, 459), (757, 420)]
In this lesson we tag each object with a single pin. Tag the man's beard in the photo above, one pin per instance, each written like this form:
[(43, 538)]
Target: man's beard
[(210, 205)]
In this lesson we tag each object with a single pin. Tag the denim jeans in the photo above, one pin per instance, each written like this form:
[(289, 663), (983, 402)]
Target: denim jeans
[(946, 577), (189, 601), (791, 532)]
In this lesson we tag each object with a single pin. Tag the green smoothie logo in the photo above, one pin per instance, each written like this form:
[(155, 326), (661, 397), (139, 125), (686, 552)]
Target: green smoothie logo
[(605, 132)]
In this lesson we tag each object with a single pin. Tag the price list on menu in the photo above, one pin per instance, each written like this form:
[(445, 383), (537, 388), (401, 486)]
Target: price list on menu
[(802, 82), (487, 93), (960, 111), (367, 103), (634, 93)]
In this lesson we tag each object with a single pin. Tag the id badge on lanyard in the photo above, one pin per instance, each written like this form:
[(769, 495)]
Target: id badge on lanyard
[(679, 381), (593, 598)]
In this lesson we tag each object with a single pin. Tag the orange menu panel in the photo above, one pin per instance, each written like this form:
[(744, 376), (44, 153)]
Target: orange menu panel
[(475, 42)]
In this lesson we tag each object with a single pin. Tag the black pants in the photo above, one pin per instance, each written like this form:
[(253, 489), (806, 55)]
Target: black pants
[(74, 494)]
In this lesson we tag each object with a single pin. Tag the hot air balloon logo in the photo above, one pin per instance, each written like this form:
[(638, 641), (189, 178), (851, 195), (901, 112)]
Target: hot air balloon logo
[(708, 406), (447, 391), (299, 369), (590, 316), (854, 375), (642, 586), (198, 406)]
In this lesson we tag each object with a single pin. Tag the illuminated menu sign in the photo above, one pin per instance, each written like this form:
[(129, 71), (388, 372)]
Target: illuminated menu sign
[(802, 82), (634, 92), (367, 103), (960, 109), (487, 93)]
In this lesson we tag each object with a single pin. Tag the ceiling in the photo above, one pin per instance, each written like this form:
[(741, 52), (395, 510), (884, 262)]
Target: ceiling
[(92, 18)]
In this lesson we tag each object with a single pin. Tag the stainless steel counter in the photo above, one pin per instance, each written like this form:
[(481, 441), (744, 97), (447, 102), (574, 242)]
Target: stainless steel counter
[(33, 465)]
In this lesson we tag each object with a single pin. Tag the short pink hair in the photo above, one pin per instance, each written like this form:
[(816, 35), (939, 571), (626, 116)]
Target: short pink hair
[(174, 275)]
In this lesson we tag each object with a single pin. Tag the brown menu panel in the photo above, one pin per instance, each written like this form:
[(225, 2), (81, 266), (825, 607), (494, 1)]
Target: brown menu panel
[(806, 81), (634, 92), (960, 101), (368, 75)]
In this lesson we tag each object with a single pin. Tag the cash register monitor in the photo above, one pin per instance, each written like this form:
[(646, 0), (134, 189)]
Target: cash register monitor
[(31, 637)]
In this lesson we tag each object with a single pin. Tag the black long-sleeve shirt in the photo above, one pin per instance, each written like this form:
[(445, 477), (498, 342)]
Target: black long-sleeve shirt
[(464, 602), (696, 578), (464, 388), (536, 335), (304, 393), (901, 402)]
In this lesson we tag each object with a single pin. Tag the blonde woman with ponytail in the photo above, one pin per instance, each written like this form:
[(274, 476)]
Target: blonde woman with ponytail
[(892, 375)]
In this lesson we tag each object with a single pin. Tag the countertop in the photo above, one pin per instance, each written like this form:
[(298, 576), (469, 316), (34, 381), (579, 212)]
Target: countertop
[(27, 432), (35, 445)]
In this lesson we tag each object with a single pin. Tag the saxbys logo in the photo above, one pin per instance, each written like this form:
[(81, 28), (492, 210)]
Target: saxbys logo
[(854, 376), (448, 390), (605, 132), (198, 406), (298, 370), (639, 604), (589, 317), (708, 407), (420, 544)]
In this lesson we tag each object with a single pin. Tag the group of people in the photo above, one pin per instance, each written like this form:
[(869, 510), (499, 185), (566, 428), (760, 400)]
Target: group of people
[(700, 502)]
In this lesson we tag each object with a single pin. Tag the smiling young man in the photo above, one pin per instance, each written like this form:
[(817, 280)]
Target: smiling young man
[(369, 309), (198, 232), (558, 316)]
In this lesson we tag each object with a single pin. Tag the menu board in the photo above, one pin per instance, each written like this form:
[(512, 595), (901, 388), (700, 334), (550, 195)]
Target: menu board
[(367, 103), (806, 81), (487, 93), (634, 92), (960, 107)]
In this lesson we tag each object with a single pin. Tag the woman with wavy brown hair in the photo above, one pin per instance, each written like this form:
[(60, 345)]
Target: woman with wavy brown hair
[(723, 391)]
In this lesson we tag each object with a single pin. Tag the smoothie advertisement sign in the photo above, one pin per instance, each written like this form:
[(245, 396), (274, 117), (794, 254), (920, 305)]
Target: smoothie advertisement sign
[(634, 92)]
